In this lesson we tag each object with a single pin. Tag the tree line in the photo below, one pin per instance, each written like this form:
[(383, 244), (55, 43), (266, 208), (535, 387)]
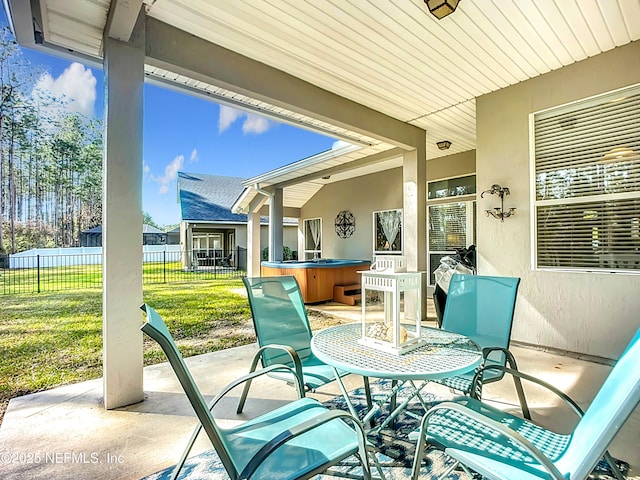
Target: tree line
[(50, 161)]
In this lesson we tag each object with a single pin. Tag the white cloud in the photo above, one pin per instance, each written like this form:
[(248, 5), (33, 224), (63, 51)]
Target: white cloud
[(170, 174), (74, 89), (253, 124), (145, 169), (228, 115), (194, 156)]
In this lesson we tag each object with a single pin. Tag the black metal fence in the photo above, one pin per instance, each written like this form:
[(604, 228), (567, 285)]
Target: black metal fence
[(48, 273)]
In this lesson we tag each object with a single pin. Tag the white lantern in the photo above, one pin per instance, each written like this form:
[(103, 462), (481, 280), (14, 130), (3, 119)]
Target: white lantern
[(393, 327)]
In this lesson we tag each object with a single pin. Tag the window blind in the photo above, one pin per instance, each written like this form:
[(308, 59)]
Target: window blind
[(447, 226), (587, 175)]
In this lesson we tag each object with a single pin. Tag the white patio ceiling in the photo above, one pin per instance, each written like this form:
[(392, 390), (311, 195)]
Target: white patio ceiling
[(391, 56)]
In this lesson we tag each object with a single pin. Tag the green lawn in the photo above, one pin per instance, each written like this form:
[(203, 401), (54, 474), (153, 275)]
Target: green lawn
[(74, 277), (50, 339)]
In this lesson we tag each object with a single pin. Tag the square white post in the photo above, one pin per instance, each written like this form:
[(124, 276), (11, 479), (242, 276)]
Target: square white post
[(414, 222), (276, 217), (122, 221), (253, 244)]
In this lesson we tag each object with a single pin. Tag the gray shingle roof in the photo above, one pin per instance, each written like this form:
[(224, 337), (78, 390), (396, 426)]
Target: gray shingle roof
[(209, 197)]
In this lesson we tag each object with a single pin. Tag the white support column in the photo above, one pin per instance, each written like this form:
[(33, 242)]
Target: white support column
[(276, 216), (184, 242), (414, 226), (122, 221), (253, 244)]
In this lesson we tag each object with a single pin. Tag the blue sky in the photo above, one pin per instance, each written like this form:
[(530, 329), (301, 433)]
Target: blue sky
[(184, 133)]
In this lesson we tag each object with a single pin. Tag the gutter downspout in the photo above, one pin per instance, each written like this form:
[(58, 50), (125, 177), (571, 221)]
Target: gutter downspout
[(256, 187)]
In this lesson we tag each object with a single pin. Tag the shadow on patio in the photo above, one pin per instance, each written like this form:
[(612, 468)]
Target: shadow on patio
[(66, 433)]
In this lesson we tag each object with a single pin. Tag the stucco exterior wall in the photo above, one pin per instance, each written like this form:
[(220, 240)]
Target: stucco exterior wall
[(457, 165), (588, 313), (361, 196), (364, 195), (290, 236)]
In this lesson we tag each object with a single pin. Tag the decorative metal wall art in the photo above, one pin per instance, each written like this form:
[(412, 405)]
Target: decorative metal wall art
[(499, 212), (345, 224)]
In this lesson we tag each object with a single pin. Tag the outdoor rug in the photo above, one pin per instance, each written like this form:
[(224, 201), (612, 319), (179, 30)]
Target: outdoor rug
[(396, 450)]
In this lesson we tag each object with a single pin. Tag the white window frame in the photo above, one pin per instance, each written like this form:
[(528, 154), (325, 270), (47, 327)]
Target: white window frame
[(310, 254), (598, 200), (471, 213), (400, 233), (210, 239)]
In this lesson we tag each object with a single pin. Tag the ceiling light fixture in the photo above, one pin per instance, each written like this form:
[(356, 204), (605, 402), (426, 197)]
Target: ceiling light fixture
[(441, 8), (444, 145)]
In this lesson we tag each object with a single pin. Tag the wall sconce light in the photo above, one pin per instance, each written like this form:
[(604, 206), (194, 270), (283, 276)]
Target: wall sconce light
[(444, 145), (441, 8), (499, 212)]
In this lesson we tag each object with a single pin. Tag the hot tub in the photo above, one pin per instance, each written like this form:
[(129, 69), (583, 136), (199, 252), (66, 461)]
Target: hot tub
[(317, 277)]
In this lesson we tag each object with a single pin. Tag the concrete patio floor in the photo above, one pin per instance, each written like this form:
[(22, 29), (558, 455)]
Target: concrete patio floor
[(65, 433)]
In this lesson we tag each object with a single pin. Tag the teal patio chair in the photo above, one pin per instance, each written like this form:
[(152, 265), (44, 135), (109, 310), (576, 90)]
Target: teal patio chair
[(498, 445), (481, 308), (284, 335), (289, 442)]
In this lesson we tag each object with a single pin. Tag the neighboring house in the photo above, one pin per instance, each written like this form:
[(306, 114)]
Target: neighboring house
[(173, 236), (150, 236), (210, 234)]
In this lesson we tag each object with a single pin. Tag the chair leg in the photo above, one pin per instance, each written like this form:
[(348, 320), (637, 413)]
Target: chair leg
[(612, 465), (187, 450), (511, 361), (247, 385), (376, 463)]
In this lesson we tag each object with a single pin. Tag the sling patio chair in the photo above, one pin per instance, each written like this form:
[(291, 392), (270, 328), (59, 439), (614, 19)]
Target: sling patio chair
[(289, 442), (481, 308), (498, 445), (284, 335)]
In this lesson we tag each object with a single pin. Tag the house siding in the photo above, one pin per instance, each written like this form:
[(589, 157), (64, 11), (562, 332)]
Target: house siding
[(581, 312)]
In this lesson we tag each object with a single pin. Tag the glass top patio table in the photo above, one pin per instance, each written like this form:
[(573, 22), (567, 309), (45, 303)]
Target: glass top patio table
[(444, 354)]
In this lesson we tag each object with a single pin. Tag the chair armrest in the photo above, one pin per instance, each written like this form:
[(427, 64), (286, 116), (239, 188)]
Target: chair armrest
[(297, 370), (477, 379), (510, 361), (249, 377), (507, 353), (498, 427), (298, 430), (515, 373), (295, 358)]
